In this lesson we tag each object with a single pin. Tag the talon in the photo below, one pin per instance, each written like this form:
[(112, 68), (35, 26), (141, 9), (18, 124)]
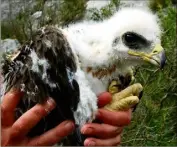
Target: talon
[(140, 94), (114, 87)]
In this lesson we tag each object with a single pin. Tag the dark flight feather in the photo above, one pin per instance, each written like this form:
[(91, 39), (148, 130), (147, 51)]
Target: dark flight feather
[(50, 76)]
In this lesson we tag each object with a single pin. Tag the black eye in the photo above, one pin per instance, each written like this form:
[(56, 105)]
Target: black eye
[(134, 41), (131, 38)]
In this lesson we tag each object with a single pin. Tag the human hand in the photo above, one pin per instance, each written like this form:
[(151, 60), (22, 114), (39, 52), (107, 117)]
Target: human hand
[(107, 133), (14, 131)]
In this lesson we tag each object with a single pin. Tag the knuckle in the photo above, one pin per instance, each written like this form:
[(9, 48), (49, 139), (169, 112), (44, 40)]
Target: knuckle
[(59, 135), (4, 109), (118, 130), (16, 129), (39, 112), (36, 143)]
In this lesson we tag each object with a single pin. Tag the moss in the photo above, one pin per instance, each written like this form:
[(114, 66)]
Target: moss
[(156, 5)]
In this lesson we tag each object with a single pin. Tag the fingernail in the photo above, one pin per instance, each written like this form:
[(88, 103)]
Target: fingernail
[(50, 104), (86, 130), (70, 125), (91, 143), (14, 90)]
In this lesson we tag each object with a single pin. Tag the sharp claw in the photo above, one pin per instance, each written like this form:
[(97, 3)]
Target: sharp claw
[(140, 95)]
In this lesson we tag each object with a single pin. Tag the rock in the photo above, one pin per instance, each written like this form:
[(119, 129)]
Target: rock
[(9, 45), (10, 8), (6, 46), (37, 14), (14, 7), (35, 19)]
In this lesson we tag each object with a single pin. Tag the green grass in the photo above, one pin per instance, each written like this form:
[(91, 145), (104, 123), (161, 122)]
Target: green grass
[(155, 123)]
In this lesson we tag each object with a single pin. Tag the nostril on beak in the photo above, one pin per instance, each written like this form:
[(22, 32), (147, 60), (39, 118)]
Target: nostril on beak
[(154, 51)]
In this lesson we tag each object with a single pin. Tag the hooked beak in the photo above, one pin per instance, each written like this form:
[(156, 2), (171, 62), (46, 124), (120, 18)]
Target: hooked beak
[(156, 57)]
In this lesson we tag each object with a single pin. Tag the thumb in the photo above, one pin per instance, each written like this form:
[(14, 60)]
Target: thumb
[(104, 98)]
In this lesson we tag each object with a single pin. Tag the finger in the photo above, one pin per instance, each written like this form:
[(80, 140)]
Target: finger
[(120, 118), (103, 142), (8, 105), (97, 130), (11, 99), (29, 119), (104, 98), (53, 136)]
